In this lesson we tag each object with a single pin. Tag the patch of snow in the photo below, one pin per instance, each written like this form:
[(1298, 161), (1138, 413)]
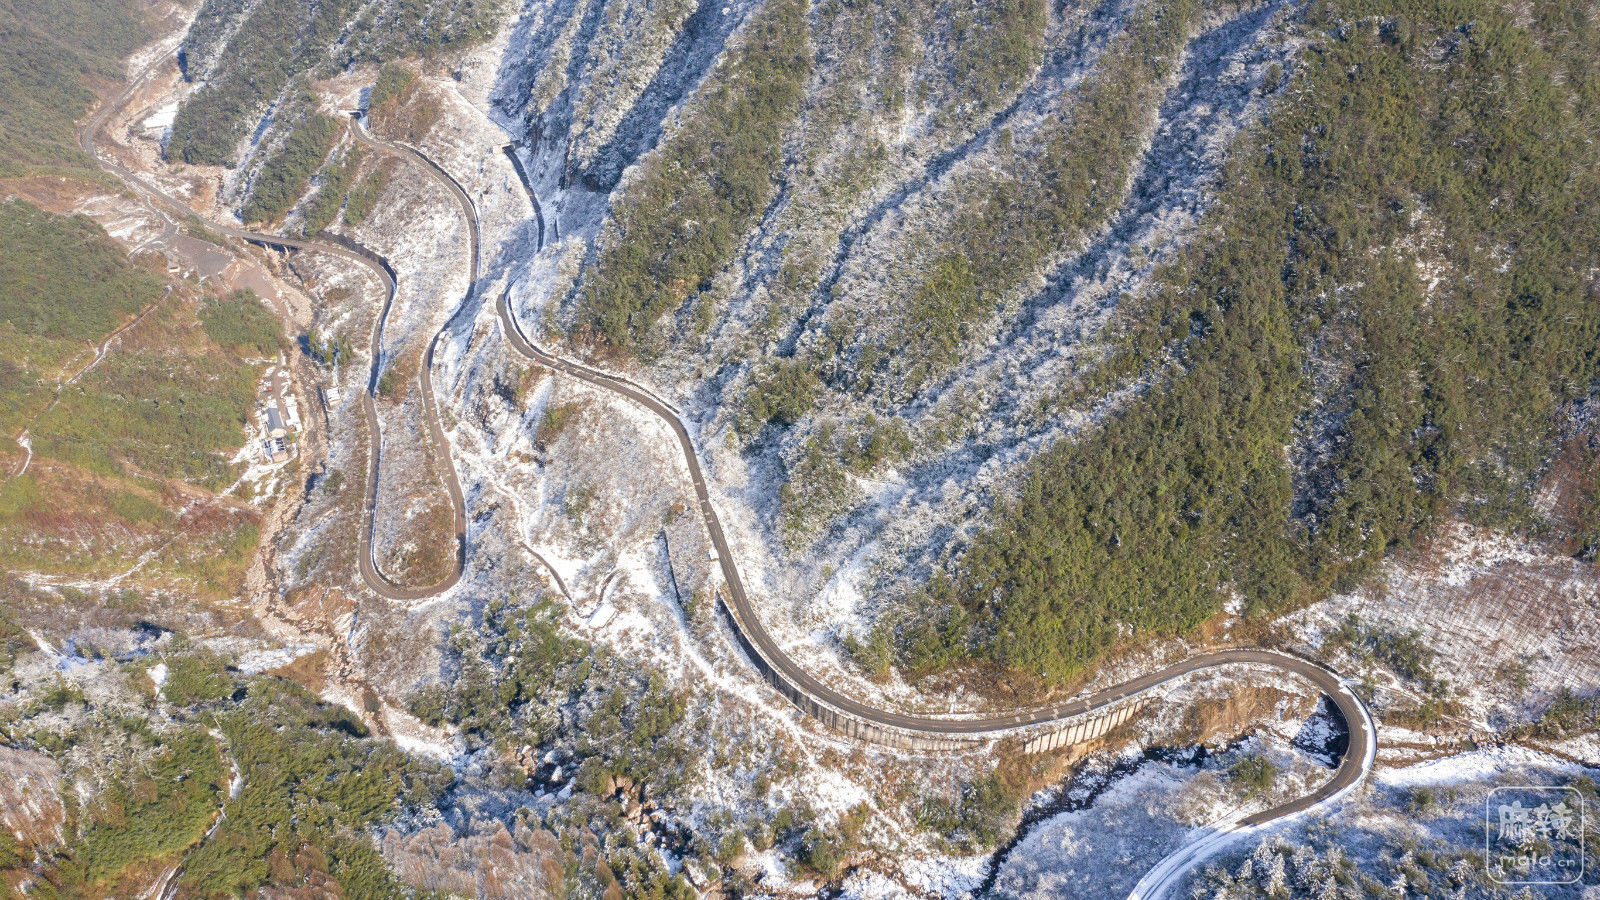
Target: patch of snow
[(255, 662), (1474, 766), (162, 118)]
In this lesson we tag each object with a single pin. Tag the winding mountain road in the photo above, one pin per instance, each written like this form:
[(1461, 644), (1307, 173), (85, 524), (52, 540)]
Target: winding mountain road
[(371, 572), (808, 692)]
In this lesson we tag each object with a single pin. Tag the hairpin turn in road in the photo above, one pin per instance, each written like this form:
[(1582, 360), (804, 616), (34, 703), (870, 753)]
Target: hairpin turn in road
[(766, 654)]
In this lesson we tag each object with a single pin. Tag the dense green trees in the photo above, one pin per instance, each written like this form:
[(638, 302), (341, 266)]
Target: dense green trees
[(337, 178), (393, 79), (995, 45), (782, 394), (167, 414), (287, 172), (63, 285), (195, 676), (395, 28), (313, 783), (1569, 715), (51, 48), (1254, 774), (160, 801), (278, 40), (241, 325), (154, 810), (364, 197), (706, 185), (1438, 135), (63, 277)]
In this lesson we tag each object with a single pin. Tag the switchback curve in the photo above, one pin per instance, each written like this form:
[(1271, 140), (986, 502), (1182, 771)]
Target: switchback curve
[(792, 680), (349, 250)]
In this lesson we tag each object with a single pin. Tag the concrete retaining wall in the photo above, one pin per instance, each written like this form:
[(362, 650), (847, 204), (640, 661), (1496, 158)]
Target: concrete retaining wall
[(1084, 728), (1039, 740)]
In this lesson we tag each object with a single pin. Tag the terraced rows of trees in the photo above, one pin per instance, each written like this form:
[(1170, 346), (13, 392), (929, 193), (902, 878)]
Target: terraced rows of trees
[(1428, 133), (1318, 400), (689, 210), (286, 174), (255, 62), (1044, 197), (261, 48), (705, 187)]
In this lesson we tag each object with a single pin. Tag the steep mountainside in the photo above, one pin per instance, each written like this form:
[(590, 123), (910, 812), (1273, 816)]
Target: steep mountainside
[(124, 378), (789, 448), (1098, 315)]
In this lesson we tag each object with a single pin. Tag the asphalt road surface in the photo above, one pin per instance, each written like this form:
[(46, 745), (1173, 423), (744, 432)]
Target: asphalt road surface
[(371, 573), (1352, 767)]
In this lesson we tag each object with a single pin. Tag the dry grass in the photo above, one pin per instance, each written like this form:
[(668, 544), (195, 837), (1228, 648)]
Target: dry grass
[(1218, 720), (310, 670), (425, 546), (411, 116)]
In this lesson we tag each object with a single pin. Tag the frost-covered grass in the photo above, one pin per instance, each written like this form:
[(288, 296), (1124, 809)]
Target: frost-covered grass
[(1505, 626), (749, 787), (1418, 830)]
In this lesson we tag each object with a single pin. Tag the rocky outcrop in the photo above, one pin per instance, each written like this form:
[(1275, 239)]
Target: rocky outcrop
[(482, 859)]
